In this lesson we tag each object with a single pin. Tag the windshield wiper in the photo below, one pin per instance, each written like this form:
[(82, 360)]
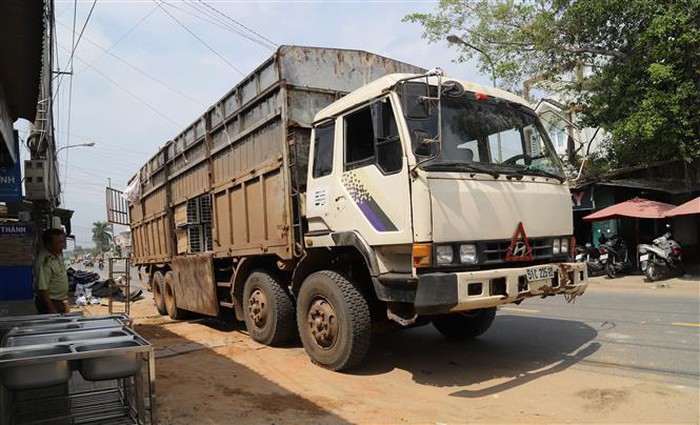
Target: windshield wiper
[(464, 166), (538, 172)]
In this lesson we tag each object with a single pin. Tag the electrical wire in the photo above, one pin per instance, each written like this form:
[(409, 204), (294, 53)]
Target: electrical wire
[(140, 71), (267, 40), (224, 21), (82, 30), (70, 87), (124, 89), (209, 17), (126, 34), (160, 4), (70, 94)]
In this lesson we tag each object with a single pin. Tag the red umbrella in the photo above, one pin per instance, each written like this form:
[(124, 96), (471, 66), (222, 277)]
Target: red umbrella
[(690, 207), (634, 208)]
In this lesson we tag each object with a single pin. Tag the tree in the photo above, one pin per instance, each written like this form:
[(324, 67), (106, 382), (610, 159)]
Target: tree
[(644, 57), (101, 235)]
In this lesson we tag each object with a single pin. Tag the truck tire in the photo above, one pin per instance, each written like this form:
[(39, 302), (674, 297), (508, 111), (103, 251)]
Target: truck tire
[(268, 309), (334, 321), (467, 325), (174, 312), (158, 299)]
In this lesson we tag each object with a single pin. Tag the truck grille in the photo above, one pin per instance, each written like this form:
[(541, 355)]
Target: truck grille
[(495, 251)]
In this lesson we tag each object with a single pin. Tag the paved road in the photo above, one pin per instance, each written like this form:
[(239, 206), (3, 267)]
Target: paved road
[(631, 333)]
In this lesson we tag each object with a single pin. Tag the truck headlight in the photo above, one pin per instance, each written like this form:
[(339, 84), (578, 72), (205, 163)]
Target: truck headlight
[(556, 246), (467, 253), (444, 254), (564, 245)]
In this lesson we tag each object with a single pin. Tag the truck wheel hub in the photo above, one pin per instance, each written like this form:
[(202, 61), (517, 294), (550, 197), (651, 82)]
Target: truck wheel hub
[(257, 308), (322, 323)]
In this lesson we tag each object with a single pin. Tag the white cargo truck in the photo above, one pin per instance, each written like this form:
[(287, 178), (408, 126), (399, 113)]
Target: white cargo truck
[(335, 189)]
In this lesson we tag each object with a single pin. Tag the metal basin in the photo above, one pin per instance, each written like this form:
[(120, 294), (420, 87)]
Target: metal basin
[(41, 372), (109, 366), (59, 337), (85, 335)]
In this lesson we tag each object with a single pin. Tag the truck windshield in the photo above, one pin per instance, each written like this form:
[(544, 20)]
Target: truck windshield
[(490, 135)]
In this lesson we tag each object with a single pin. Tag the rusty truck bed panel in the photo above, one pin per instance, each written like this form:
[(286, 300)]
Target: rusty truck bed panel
[(194, 285), (249, 152)]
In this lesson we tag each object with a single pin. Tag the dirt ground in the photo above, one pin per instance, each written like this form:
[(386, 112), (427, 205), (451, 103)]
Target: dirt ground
[(210, 372)]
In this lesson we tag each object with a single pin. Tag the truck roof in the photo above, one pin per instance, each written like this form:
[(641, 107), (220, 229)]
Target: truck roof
[(384, 84)]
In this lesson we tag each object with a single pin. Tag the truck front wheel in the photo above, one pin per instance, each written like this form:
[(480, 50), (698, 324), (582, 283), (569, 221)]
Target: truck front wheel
[(466, 325), (157, 287), (268, 309), (334, 321)]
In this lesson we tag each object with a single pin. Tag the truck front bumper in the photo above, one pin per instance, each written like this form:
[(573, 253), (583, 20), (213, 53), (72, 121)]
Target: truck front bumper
[(440, 293)]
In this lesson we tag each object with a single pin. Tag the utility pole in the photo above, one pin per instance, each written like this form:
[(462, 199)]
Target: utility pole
[(111, 225)]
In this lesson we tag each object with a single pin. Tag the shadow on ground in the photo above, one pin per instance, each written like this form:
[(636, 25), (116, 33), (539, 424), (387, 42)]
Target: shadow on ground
[(515, 351), (197, 384)]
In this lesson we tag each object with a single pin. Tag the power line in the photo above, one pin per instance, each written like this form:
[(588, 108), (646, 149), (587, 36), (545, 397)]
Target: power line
[(209, 17), (199, 39), (230, 24), (75, 47), (148, 105), (126, 34), (139, 70), (70, 88), (240, 24)]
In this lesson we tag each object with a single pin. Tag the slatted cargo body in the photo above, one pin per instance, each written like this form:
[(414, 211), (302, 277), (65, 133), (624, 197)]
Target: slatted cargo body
[(229, 184)]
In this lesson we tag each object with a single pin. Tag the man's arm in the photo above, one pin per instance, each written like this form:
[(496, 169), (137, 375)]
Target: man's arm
[(43, 276), (43, 297)]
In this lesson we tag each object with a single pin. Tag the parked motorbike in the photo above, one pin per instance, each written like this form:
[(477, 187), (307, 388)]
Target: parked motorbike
[(613, 253), (660, 258), (591, 256)]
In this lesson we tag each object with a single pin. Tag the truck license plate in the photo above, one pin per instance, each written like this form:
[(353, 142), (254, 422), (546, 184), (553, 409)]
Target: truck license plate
[(540, 273)]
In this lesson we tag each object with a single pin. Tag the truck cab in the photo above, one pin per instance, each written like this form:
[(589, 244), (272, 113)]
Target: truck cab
[(450, 191)]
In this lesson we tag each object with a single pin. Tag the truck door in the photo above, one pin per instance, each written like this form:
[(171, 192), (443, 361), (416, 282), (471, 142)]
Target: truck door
[(370, 190)]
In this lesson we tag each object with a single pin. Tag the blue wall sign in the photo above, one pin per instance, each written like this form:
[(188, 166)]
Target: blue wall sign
[(11, 179)]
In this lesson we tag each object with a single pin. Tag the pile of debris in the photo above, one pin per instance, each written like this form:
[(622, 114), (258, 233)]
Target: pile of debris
[(87, 288)]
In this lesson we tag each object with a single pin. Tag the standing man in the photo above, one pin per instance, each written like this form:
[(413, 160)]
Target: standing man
[(51, 277)]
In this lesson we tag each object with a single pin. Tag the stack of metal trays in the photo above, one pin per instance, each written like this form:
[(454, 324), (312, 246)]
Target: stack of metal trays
[(39, 355)]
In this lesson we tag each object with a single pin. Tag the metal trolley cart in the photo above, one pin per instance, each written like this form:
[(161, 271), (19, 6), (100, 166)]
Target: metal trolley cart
[(76, 370)]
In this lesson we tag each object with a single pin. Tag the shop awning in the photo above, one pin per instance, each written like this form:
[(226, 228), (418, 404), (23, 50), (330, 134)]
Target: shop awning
[(634, 208), (690, 207)]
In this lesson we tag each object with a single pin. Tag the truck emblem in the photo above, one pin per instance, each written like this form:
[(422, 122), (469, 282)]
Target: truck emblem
[(519, 249)]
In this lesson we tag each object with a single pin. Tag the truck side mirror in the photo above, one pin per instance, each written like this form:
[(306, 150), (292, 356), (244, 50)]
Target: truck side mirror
[(416, 100), (423, 143)]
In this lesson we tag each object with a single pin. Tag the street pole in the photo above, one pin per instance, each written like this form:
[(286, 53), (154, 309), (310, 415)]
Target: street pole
[(111, 225)]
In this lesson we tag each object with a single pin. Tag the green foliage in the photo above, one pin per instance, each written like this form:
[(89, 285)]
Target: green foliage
[(101, 236), (645, 56)]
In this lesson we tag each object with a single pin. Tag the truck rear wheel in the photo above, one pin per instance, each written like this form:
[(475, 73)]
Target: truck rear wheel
[(466, 325), (174, 312), (334, 321), (268, 309), (157, 287)]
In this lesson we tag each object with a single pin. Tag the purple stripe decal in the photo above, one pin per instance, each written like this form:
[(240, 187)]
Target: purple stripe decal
[(376, 222)]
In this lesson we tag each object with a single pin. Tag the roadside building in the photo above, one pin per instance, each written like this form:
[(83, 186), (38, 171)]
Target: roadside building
[(26, 63), (672, 182), (122, 241)]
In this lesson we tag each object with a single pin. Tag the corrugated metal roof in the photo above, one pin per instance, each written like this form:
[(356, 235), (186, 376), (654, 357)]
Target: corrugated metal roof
[(672, 186), (21, 47)]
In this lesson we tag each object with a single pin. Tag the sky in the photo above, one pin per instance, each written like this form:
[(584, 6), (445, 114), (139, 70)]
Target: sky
[(139, 77)]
